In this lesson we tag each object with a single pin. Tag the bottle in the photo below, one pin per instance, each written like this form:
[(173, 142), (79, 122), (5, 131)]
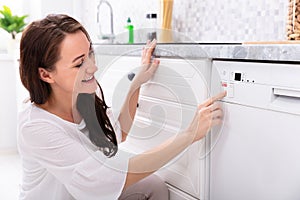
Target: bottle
[(152, 22), (130, 28)]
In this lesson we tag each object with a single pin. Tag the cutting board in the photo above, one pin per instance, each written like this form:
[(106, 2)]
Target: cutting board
[(273, 42)]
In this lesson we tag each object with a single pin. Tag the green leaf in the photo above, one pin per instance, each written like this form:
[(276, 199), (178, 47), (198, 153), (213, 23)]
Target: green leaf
[(11, 23), (7, 10)]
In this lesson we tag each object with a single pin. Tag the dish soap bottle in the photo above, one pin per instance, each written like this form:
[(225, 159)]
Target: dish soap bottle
[(130, 28)]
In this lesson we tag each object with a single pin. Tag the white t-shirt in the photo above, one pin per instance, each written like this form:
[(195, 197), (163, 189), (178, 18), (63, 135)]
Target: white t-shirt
[(60, 162)]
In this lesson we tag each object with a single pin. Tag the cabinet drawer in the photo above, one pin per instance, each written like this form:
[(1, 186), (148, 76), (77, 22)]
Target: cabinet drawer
[(176, 194), (171, 115), (176, 80), (180, 81)]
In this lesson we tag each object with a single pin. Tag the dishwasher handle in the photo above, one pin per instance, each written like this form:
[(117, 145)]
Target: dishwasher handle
[(288, 92), (287, 100)]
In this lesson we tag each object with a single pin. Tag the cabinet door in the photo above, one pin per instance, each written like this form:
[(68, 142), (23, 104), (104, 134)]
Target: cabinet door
[(167, 105), (112, 75)]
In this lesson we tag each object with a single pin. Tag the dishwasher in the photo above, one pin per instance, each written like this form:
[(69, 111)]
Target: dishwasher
[(255, 154)]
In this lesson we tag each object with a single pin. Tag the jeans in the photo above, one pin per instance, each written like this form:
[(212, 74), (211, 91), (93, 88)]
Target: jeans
[(149, 188)]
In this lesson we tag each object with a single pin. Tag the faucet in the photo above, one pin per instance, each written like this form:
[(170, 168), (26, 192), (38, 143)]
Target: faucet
[(110, 36)]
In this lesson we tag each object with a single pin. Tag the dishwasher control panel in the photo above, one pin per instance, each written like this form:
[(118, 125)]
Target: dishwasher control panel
[(228, 83), (237, 75), (263, 85)]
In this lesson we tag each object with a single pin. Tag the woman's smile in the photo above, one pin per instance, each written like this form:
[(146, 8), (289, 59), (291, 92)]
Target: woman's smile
[(89, 79)]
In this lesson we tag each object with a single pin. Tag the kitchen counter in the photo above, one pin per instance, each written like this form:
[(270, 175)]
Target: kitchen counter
[(265, 52)]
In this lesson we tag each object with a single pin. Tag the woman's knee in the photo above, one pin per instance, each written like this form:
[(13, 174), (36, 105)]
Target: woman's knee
[(159, 189), (150, 188)]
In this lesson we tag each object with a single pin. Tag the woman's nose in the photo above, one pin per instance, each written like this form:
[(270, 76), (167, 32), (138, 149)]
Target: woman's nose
[(92, 68)]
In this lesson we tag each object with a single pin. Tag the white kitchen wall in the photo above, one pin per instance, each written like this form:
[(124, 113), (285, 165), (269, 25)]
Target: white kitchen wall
[(204, 20), (38, 9)]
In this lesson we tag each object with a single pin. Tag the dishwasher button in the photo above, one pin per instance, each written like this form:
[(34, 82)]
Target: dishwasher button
[(229, 88)]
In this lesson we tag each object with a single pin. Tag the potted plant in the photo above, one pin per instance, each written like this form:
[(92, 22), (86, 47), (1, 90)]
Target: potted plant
[(13, 24)]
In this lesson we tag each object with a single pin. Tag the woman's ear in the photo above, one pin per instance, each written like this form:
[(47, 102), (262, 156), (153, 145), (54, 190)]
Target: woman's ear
[(45, 75)]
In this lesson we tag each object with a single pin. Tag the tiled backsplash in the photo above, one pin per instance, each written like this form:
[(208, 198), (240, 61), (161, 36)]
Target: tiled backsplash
[(231, 20)]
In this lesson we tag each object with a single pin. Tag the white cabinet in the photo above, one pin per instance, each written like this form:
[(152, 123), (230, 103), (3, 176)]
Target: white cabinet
[(13, 95), (8, 104), (166, 106)]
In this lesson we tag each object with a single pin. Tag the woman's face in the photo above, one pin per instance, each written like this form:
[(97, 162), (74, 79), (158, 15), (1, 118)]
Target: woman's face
[(74, 71)]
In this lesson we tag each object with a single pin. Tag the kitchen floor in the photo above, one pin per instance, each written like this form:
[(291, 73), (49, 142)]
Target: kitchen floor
[(10, 175)]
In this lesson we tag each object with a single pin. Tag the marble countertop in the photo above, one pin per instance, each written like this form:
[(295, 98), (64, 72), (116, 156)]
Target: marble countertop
[(265, 52)]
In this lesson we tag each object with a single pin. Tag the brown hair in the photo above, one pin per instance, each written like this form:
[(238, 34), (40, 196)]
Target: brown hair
[(40, 47)]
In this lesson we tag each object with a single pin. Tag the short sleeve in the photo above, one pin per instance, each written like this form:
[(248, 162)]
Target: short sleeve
[(86, 173)]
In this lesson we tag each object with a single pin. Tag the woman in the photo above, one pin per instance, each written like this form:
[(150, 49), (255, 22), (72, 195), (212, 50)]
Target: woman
[(68, 140)]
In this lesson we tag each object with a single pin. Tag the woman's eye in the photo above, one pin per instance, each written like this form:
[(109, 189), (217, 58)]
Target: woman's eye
[(81, 63)]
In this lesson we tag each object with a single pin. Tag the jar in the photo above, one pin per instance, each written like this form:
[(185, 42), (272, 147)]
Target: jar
[(293, 20), (151, 27), (166, 11)]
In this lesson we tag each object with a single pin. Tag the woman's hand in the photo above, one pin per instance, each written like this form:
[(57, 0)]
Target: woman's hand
[(208, 114), (146, 71), (148, 66)]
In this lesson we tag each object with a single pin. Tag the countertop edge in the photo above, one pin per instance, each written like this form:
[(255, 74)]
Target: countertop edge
[(265, 52)]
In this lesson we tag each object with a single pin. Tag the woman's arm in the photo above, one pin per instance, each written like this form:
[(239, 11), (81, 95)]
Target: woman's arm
[(147, 70), (128, 111), (208, 114)]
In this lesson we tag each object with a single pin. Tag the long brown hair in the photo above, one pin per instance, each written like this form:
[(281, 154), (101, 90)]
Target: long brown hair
[(40, 47)]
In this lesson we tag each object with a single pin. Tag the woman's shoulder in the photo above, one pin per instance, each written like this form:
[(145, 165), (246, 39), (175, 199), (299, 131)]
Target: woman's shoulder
[(32, 114), (35, 122)]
